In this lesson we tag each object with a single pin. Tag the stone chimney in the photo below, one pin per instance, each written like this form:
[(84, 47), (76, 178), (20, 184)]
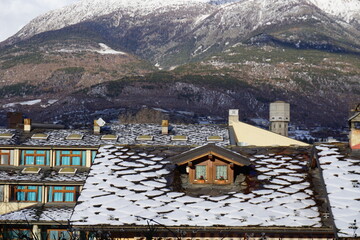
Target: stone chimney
[(233, 116), (96, 127), (279, 117), (27, 124), (165, 127)]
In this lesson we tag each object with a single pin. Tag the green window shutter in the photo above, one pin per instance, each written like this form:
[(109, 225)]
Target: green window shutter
[(83, 158)]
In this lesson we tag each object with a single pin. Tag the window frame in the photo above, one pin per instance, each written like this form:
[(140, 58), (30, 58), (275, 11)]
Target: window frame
[(52, 191), (35, 154), (14, 190), (71, 155), (5, 154), (224, 177), (48, 233)]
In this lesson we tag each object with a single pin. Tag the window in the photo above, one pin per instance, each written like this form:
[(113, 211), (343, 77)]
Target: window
[(35, 157), (16, 234), (5, 157), (221, 172), (93, 155), (1, 193), (200, 172), (63, 193), (70, 158), (26, 193), (55, 234)]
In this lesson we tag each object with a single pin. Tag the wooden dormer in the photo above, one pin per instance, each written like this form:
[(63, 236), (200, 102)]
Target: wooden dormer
[(210, 164)]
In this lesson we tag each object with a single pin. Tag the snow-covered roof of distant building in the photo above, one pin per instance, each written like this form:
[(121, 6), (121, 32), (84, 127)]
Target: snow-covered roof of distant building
[(342, 179)]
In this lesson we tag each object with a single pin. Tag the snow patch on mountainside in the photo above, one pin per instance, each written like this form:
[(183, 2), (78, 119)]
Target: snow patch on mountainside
[(348, 10)]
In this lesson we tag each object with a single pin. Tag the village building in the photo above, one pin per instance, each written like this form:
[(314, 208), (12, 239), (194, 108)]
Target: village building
[(148, 181)]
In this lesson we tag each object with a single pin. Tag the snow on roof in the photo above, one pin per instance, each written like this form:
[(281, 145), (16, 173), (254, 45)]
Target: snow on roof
[(342, 180), (39, 213), (8, 137), (128, 133), (135, 193), (45, 175)]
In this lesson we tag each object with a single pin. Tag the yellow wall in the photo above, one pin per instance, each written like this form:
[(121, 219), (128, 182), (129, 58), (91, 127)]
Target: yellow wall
[(6, 207), (246, 135), (355, 139)]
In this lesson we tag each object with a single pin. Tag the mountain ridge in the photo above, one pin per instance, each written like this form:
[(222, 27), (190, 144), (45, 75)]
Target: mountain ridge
[(262, 50)]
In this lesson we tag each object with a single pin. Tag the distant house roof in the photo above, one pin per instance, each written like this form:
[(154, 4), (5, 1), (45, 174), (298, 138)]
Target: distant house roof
[(120, 134), (354, 116), (210, 148), (342, 179)]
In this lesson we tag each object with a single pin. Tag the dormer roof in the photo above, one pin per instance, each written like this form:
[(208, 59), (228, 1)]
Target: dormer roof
[(212, 149)]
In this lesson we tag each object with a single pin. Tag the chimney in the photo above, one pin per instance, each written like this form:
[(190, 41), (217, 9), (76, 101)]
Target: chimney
[(233, 116), (96, 127), (165, 127), (279, 117), (14, 119), (27, 124)]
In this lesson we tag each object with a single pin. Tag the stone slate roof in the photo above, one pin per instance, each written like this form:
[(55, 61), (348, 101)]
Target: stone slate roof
[(127, 134), (46, 175), (342, 179), (128, 187), (9, 141), (39, 213), (210, 148)]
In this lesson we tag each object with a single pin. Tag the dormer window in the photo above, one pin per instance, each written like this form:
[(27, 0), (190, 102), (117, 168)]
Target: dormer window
[(210, 164)]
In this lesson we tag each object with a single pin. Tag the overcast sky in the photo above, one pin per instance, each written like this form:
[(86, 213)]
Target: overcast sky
[(14, 14)]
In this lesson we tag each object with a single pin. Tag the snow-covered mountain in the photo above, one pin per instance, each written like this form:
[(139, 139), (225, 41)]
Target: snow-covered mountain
[(90, 10)]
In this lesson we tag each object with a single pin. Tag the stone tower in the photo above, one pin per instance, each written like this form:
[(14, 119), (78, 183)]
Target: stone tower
[(279, 117)]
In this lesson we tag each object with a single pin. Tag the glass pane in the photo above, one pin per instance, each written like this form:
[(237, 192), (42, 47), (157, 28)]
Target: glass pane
[(29, 160), (5, 159), (58, 197), (32, 187), (65, 152), (53, 235), (221, 172), (40, 160), (65, 160), (58, 188), (1, 193), (69, 188), (40, 152), (29, 151), (69, 197), (76, 152), (200, 172), (31, 196), (20, 196), (76, 161)]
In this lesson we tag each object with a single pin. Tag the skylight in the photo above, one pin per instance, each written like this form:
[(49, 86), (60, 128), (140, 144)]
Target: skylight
[(67, 170), (35, 170), (215, 138), (109, 137), (144, 138), (6, 135), (40, 136), (179, 138), (74, 137)]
